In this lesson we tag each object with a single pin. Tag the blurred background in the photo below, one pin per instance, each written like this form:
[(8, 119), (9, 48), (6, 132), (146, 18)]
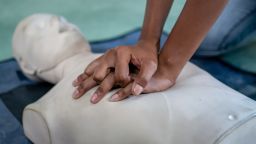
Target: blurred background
[(97, 19)]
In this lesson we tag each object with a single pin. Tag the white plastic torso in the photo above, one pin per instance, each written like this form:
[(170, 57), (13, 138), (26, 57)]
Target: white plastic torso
[(197, 110)]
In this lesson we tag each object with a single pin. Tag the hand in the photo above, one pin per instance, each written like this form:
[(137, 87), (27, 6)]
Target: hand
[(159, 82), (163, 78), (143, 56)]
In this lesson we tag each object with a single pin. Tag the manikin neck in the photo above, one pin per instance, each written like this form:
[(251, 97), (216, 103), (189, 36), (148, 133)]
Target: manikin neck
[(68, 66), (79, 60)]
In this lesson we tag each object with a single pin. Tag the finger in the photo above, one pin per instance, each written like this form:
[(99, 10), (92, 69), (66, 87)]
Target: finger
[(121, 94), (89, 70), (103, 88), (146, 72), (122, 67), (101, 71), (82, 77), (84, 87)]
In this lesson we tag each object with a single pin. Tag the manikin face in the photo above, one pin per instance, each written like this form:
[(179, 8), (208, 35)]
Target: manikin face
[(42, 41), (46, 26)]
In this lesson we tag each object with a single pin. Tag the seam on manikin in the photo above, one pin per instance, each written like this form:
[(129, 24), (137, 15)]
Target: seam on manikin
[(38, 71), (233, 128), (49, 134), (168, 109)]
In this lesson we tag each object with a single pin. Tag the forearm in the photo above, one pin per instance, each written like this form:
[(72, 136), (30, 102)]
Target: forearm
[(154, 19), (195, 20)]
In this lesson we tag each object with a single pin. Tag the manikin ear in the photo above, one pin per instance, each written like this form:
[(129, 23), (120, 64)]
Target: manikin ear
[(41, 42)]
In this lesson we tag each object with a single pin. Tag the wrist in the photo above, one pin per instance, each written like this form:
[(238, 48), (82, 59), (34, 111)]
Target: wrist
[(149, 44), (170, 67)]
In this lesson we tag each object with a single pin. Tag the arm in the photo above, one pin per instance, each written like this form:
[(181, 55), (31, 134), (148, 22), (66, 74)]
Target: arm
[(196, 19), (192, 26), (155, 16)]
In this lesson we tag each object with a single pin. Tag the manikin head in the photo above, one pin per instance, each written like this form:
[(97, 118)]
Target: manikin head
[(42, 41)]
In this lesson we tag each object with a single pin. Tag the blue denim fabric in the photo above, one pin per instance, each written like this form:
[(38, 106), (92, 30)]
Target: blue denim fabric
[(11, 76), (236, 24), (11, 131)]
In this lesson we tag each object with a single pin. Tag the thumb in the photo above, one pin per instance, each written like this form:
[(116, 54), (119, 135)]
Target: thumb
[(145, 74), (137, 89)]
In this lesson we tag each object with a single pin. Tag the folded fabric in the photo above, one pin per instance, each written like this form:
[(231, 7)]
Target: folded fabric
[(244, 57), (11, 131), (11, 76)]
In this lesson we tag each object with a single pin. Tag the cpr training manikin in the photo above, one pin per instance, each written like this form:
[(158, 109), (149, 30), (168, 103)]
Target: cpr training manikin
[(197, 110)]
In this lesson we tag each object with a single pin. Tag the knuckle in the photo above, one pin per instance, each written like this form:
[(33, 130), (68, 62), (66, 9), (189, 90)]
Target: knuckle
[(142, 81), (98, 75), (94, 62), (119, 77), (121, 94), (120, 47), (81, 77), (126, 79), (98, 78), (122, 79), (83, 88), (152, 64), (100, 90), (88, 71), (80, 88), (108, 53), (113, 50), (121, 50), (82, 91)]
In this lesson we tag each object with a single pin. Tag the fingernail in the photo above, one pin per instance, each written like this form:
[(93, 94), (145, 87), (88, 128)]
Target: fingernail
[(137, 89), (94, 98), (75, 94), (75, 82), (114, 98)]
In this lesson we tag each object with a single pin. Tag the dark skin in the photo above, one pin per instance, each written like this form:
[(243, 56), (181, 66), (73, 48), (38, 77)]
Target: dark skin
[(154, 71)]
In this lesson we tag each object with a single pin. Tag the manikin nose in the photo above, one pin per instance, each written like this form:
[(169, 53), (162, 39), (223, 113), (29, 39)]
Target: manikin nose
[(63, 25)]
